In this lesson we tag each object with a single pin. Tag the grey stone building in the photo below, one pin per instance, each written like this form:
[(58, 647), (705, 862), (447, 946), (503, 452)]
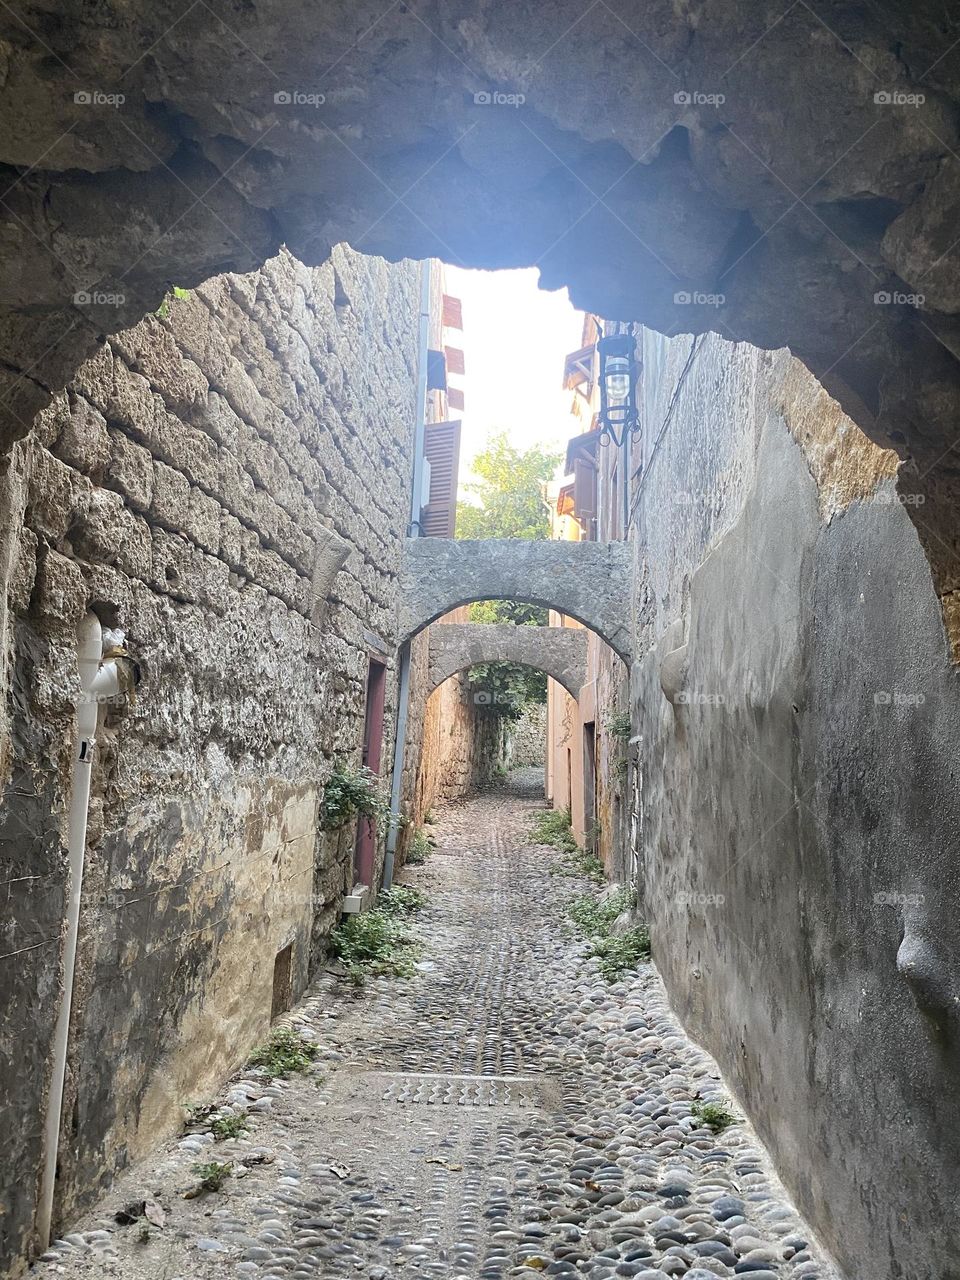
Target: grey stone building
[(230, 483), (788, 809)]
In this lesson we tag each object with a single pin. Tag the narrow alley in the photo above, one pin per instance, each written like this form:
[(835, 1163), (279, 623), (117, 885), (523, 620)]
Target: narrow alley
[(503, 1112)]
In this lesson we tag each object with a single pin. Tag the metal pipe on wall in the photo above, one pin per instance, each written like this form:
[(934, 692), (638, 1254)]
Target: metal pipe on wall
[(403, 694)]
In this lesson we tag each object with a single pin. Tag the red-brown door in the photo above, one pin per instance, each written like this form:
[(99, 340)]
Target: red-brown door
[(372, 753)]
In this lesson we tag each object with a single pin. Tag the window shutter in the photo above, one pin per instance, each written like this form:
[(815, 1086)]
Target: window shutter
[(454, 360), (441, 448), (584, 489), (452, 312), (436, 371), (455, 398), (578, 368)]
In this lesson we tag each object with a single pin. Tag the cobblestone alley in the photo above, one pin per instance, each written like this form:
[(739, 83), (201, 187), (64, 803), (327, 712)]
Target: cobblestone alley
[(504, 1113)]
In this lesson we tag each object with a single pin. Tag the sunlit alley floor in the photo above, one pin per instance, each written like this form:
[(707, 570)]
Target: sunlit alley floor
[(505, 1112)]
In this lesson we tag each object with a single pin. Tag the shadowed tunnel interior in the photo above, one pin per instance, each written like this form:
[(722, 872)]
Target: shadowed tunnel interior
[(222, 311), (780, 177)]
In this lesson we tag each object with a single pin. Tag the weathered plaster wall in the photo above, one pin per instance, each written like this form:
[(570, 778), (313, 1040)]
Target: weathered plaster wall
[(799, 794), (597, 805), (566, 758), (202, 480)]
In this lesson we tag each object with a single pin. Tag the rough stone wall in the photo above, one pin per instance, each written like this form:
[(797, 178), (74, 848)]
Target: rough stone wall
[(527, 737), (202, 481), (799, 798), (462, 746)]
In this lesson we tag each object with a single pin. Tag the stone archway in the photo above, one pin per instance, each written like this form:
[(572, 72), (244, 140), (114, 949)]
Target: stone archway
[(559, 652), (588, 581), (784, 177)]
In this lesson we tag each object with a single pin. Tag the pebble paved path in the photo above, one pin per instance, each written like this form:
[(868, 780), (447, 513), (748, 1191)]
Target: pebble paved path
[(505, 1113)]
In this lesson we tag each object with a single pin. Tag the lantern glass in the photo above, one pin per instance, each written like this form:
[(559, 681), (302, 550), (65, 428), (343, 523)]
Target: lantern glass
[(617, 377)]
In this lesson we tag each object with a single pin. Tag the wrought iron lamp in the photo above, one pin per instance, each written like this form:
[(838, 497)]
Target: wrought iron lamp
[(618, 389)]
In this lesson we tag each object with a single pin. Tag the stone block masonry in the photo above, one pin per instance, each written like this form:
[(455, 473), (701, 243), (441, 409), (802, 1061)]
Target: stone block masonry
[(229, 481)]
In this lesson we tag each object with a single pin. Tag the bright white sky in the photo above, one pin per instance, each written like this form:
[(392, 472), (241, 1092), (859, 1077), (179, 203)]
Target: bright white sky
[(515, 337)]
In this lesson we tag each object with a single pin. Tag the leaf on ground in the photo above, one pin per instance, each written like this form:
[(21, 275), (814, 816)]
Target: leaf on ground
[(455, 1168), (154, 1213), (340, 1170)]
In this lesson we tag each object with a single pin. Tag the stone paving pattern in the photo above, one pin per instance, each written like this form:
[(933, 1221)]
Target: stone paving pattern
[(505, 1113)]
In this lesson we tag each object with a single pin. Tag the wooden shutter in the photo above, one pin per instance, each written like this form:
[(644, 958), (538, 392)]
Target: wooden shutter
[(578, 368), (452, 312), (454, 360), (455, 398), (584, 489), (441, 448), (436, 371)]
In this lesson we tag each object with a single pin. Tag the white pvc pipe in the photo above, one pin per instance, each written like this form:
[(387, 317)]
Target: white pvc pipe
[(98, 680)]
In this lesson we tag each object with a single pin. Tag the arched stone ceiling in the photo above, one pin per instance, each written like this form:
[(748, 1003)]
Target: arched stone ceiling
[(790, 165)]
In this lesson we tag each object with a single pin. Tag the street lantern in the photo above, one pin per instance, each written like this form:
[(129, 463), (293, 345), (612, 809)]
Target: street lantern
[(618, 388)]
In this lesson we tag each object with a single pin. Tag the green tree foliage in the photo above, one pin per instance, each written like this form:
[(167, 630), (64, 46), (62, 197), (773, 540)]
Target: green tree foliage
[(508, 503), (509, 489), (515, 611), (508, 685)]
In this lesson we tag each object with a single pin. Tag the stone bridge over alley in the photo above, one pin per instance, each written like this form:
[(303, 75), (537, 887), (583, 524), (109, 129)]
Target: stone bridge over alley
[(588, 581), (559, 652)]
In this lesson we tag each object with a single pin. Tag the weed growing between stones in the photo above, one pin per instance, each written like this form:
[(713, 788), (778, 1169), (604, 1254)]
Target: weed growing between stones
[(419, 849), (619, 725), (595, 915), (199, 1113), (229, 1125), (401, 900), (714, 1115), (284, 1053), (350, 792), (163, 311), (380, 942), (581, 864), (552, 827), (621, 952), (212, 1174), (617, 953)]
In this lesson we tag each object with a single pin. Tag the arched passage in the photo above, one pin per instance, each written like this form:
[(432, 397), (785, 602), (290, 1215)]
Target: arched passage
[(559, 652), (783, 178), (589, 581)]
